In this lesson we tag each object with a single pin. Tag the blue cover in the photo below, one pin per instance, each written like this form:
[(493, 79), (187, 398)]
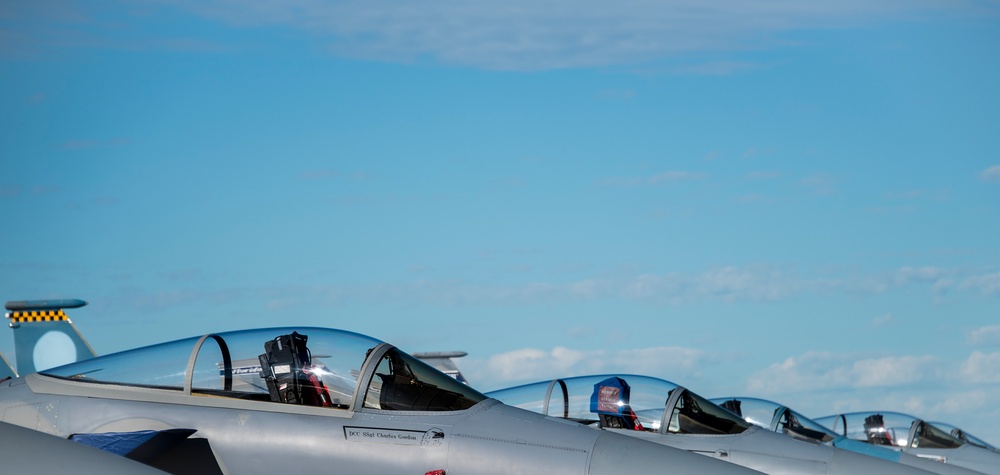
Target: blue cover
[(119, 443), (610, 396)]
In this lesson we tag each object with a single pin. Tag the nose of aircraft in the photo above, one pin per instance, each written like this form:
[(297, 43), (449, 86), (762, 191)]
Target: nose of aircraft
[(845, 462), (615, 454)]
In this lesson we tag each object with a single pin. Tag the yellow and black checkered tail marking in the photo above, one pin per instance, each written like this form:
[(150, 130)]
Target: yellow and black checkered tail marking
[(38, 316)]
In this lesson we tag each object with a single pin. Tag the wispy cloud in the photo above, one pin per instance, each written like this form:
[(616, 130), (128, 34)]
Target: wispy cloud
[(533, 364), (981, 368), (986, 284), (821, 370), (7, 191), (820, 184), (675, 176), (729, 285), (988, 335), (516, 35), (991, 174), (882, 320), (763, 175), (718, 68), (662, 178)]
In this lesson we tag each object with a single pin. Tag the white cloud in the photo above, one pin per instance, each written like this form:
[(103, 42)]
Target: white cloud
[(988, 335), (906, 275), (991, 174), (728, 284), (818, 370), (882, 320), (987, 284), (532, 364), (962, 402), (981, 368)]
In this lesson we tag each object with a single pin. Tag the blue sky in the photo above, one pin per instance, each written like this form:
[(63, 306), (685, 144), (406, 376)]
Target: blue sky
[(792, 201)]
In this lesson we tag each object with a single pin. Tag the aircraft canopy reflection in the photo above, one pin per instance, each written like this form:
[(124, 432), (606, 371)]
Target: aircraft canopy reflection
[(230, 365), (653, 409), (775, 417), (656, 405), (912, 435), (782, 419)]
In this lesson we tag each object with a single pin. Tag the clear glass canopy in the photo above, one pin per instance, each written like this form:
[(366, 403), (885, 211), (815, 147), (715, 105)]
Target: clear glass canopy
[(964, 436), (890, 429), (775, 417), (293, 365), (625, 401)]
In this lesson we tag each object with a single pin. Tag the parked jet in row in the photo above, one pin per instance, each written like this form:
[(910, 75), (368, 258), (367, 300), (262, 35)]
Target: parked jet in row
[(912, 435), (778, 418), (660, 411), (313, 400)]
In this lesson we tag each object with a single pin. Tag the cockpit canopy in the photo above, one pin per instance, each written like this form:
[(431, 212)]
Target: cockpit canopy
[(643, 403), (301, 365), (890, 429), (964, 436), (775, 417)]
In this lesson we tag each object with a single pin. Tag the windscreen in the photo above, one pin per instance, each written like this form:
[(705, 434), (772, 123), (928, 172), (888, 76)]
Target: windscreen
[(930, 437), (404, 383), (964, 436), (693, 414)]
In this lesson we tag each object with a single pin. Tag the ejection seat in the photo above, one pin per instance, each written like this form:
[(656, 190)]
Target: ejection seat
[(876, 431), (286, 367)]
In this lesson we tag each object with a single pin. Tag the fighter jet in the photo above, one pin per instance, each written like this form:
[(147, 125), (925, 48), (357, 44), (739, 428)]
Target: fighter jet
[(313, 400), (778, 418), (663, 412), (912, 435)]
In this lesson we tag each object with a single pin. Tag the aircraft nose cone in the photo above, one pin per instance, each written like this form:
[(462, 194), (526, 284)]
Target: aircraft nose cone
[(845, 462), (615, 454)]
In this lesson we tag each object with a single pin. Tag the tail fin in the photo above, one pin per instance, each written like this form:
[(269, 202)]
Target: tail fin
[(441, 360), (44, 337)]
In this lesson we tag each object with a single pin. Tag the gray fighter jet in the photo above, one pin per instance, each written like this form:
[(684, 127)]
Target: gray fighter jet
[(778, 418), (912, 435), (660, 411), (312, 400)]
